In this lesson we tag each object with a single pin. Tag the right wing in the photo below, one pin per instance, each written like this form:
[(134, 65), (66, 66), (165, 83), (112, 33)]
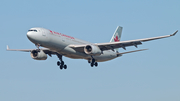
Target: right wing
[(123, 44), (120, 44)]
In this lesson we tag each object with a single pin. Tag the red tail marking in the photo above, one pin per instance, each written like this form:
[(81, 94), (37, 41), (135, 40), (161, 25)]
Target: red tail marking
[(116, 39)]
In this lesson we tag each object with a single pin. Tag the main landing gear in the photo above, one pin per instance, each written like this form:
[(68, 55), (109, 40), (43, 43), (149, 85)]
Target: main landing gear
[(93, 63), (61, 62)]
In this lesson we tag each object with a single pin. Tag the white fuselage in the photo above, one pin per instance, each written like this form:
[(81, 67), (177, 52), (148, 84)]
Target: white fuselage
[(59, 43)]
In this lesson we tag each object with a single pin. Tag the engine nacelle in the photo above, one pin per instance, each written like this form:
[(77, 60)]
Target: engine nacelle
[(38, 55), (92, 50)]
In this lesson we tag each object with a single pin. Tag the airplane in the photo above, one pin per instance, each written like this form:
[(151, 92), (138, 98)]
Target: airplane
[(59, 44)]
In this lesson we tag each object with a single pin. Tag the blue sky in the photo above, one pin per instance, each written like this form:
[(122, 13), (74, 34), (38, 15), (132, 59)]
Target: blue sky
[(151, 75)]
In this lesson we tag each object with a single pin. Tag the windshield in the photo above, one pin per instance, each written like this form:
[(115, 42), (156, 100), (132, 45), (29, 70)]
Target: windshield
[(32, 30)]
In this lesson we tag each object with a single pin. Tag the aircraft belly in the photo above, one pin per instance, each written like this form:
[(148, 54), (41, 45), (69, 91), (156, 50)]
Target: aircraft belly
[(71, 53), (107, 55), (76, 55)]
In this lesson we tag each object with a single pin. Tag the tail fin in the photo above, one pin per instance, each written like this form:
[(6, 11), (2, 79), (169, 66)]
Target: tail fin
[(117, 35)]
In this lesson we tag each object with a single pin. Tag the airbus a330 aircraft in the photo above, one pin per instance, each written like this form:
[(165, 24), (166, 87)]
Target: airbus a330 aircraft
[(63, 45)]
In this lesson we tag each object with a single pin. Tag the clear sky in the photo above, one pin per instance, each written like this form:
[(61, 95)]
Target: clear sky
[(151, 75)]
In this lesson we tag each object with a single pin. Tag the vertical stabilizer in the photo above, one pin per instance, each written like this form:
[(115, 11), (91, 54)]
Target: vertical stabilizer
[(117, 35)]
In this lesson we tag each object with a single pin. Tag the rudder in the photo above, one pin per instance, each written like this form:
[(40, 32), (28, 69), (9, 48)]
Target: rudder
[(117, 35)]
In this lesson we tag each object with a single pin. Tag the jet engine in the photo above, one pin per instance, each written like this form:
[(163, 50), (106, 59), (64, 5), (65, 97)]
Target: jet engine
[(92, 50), (38, 55)]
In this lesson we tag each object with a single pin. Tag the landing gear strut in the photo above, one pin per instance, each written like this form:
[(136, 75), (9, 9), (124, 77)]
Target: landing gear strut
[(61, 62), (38, 45)]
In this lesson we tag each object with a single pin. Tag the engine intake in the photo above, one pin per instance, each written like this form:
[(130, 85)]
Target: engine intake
[(38, 55), (92, 50)]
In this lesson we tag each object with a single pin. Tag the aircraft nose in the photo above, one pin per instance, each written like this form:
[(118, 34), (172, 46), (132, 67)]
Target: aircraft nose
[(32, 36), (29, 35)]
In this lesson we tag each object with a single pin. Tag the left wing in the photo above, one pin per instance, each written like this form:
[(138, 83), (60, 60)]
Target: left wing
[(121, 44), (24, 50), (45, 50)]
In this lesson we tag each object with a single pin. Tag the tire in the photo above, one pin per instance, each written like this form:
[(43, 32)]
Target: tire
[(96, 64), (61, 67), (92, 64), (65, 66), (58, 63)]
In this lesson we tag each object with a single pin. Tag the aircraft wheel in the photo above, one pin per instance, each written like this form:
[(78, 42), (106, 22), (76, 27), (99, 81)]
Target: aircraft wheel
[(61, 66), (65, 66), (92, 64), (96, 64), (58, 63)]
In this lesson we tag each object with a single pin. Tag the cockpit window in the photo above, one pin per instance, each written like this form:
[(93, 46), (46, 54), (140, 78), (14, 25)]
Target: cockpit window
[(32, 30)]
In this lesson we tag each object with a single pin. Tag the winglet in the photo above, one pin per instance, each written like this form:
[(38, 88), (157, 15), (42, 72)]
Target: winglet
[(174, 33), (7, 47)]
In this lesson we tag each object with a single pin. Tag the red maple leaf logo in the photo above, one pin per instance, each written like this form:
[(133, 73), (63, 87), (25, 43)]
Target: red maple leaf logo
[(116, 39)]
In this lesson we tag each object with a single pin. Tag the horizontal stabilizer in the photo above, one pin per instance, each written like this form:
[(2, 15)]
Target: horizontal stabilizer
[(131, 51)]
